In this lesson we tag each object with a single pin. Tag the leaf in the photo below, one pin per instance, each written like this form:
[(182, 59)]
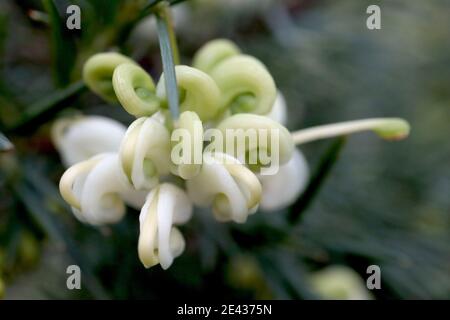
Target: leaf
[(31, 195), (48, 106), (326, 164), (62, 41), (295, 274), (166, 44), (106, 10)]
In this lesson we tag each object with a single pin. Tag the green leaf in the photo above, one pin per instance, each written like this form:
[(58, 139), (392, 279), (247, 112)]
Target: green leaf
[(166, 43), (326, 164), (30, 193), (48, 106), (62, 41)]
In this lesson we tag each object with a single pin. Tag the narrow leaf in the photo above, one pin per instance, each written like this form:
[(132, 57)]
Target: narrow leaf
[(48, 106), (165, 43), (62, 41), (27, 192)]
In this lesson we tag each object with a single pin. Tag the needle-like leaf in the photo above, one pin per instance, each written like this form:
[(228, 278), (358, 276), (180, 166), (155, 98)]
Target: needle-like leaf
[(166, 44)]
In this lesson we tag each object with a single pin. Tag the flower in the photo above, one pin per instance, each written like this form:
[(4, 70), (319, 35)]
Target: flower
[(227, 185), (79, 138), (229, 147), (283, 188), (339, 283), (97, 190), (145, 152), (159, 241)]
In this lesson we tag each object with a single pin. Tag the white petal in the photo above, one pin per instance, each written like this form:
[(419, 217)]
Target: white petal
[(80, 139), (283, 188), (215, 186), (172, 203), (158, 235), (152, 144), (101, 201), (279, 110)]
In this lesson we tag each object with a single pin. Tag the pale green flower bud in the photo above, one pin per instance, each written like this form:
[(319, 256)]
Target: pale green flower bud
[(214, 52), (198, 92), (135, 90), (339, 283), (245, 85), (159, 241), (98, 72)]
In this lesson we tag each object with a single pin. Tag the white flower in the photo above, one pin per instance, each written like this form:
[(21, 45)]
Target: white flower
[(283, 188), (97, 189), (223, 182), (145, 152), (339, 283), (80, 138), (159, 241)]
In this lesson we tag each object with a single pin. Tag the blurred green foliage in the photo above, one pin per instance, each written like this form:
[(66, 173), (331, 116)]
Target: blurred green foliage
[(382, 203)]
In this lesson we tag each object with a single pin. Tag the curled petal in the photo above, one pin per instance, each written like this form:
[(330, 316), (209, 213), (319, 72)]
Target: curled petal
[(223, 182), (74, 177), (96, 190), (198, 92), (256, 137), (190, 132), (80, 138), (135, 90), (159, 241), (214, 52), (98, 72), (145, 152), (279, 110), (245, 85), (283, 188)]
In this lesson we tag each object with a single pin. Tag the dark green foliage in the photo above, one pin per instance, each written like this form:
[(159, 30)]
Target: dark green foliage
[(377, 203)]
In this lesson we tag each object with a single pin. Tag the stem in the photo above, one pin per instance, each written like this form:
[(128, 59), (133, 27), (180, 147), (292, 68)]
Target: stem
[(167, 44), (386, 128)]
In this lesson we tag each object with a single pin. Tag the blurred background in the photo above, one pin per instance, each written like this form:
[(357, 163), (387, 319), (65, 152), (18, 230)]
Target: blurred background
[(371, 202)]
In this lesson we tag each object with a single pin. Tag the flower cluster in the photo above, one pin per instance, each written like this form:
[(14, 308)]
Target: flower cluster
[(112, 166)]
